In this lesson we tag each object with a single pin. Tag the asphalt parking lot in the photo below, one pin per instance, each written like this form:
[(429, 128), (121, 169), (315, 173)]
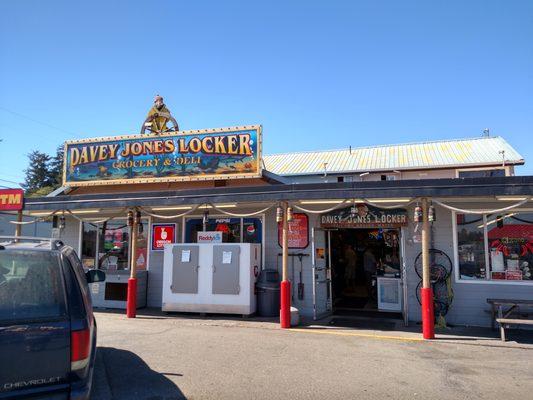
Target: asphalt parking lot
[(175, 357)]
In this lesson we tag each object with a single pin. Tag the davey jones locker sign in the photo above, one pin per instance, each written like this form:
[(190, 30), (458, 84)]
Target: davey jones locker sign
[(179, 156), (364, 216)]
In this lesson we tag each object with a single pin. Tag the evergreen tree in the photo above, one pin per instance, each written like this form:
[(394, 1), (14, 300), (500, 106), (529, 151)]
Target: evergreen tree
[(55, 170), (37, 173)]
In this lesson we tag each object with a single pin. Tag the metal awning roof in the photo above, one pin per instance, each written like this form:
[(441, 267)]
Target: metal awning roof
[(438, 188), (458, 153)]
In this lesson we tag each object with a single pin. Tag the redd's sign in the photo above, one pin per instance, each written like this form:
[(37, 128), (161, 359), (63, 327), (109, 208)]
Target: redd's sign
[(11, 199), (163, 234)]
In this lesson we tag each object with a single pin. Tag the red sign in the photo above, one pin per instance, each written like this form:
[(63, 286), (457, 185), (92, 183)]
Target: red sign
[(298, 231), (513, 275), (163, 234), (11, 199)]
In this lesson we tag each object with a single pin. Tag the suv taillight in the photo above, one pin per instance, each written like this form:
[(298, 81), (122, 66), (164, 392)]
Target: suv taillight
[(80, 348)]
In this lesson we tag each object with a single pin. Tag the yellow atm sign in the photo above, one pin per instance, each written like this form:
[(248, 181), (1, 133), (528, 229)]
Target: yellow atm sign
[(11, 199)]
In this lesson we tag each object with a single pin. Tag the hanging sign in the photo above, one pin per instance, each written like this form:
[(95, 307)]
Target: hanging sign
[(364, 216), (298, 231), (11, 199), (163, 234), (225, 153)]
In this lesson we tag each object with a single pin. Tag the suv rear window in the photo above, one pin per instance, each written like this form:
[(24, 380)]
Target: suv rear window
[(31, 285)]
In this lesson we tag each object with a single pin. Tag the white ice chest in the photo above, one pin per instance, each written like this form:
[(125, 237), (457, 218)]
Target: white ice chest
[(211, 278)]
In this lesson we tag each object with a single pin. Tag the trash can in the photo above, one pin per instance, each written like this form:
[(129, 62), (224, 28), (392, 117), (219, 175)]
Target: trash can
[(267, 286)]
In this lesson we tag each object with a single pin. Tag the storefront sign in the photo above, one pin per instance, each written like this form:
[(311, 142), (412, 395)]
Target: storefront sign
[(163, 234), (225, 153), (11, 199), (298, 231), (364, 216), (209, 237)]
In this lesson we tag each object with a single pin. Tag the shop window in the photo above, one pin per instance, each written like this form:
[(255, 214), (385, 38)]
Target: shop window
[(484, 173), (113, 246), (107, 244), (252, 231), (504, 241), (88, 245), (510, 242), (471, 246), (234, 230), (230, 228)]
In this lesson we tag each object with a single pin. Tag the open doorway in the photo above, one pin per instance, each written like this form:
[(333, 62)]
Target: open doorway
[(363, 259)]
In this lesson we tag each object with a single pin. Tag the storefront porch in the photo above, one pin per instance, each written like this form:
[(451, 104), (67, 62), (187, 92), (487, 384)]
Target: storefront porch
[(249, 215)]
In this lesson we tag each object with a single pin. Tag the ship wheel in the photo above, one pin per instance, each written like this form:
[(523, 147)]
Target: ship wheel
[(147, 124)]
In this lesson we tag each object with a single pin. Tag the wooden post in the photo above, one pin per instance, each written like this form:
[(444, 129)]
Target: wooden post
[(428, 316), (18, 227), (131, 303), (285, 301)]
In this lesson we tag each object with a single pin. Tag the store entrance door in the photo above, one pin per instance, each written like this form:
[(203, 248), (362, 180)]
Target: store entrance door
[(366, 271)]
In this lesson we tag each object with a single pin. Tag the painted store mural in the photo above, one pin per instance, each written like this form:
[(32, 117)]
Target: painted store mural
[(223, 153)]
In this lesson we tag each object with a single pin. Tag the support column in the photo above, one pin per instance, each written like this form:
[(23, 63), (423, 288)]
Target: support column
[(285, 300), (131, 303), (426, 292)]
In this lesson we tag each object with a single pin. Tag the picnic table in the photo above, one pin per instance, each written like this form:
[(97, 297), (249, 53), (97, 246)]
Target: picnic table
[(507, 312)]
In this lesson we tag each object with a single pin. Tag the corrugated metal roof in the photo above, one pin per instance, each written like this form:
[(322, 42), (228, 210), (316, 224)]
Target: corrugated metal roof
[(424, 155)]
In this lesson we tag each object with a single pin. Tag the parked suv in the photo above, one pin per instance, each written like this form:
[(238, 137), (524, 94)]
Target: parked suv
[(47, 326)]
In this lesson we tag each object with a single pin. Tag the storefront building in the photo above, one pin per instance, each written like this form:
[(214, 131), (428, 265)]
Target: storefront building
[(354, 242)]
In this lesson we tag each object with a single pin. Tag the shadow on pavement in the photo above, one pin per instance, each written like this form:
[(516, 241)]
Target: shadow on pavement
[(121, 374)]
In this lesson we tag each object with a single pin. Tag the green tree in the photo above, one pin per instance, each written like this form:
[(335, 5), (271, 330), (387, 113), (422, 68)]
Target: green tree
[(37, 173), (55, 168)]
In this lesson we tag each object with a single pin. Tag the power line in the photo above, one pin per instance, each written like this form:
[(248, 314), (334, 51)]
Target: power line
[(8, 181), (36, 121)]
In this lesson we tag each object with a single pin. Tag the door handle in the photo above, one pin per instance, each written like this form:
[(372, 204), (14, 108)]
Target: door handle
[(214, 268)]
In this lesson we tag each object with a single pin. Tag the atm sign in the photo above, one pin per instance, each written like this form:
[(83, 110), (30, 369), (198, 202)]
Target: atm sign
[(11, 199)]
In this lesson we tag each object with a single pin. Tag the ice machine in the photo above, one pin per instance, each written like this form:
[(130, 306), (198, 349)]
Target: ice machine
[(211, 278)]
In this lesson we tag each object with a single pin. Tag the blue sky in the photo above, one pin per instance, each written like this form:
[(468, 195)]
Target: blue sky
[(316, 75)]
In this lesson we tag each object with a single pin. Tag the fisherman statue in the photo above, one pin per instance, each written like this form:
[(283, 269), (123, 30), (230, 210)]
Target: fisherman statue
[(158, 118)]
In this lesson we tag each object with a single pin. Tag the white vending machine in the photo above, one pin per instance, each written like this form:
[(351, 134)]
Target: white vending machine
[(211, 278)]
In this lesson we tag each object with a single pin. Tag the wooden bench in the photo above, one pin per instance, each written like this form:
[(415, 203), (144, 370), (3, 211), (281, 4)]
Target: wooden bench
[(505, 317)]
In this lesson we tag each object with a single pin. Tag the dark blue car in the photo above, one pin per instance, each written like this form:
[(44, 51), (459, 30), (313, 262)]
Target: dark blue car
[(47, 327)]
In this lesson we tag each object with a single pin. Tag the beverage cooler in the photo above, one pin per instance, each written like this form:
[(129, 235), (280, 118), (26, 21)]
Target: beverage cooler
[(211, 278)]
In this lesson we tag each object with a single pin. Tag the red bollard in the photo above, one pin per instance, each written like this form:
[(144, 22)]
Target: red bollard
[(285, 305), (428, 313), (131, 303)]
